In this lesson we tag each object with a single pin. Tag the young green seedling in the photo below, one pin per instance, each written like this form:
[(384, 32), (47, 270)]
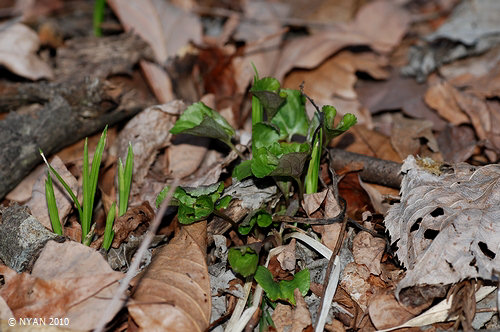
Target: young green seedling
[(99, 6), (52, 205), (89, 184), (125, 180), (108, 230)]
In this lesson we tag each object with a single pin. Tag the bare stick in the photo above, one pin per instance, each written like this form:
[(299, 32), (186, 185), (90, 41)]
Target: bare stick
[(115, 301), (375, 170)]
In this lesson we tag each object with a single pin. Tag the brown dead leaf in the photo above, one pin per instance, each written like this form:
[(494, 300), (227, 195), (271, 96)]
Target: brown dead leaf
[(330, 234), (263, 40), (379, 24), (301, 318), (355, 280), (312, 202), (441, 98), (414, 137), (368, 142), (166, 28), (456, 143), (398, 93), (68, 280), (385, 311), (186, 154), (148, 132), (368, 250), (282, 317), (174, 294), (287, 257), (23, 191), (484, 115), (135, 221), (38, 202), (337, 75), (18, 47)]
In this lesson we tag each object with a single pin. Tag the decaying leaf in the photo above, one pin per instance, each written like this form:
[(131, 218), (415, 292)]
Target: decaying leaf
[(174, 294), (68, 280), (18, 46), (446, 226)]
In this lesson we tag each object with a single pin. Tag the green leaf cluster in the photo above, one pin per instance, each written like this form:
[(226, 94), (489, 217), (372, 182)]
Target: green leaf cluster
[(260, 217), (282, 290), (195, 203), (243, 260)]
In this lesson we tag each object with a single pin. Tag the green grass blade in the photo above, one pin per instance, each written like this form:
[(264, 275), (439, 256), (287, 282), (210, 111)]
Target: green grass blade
[(85, 221), (311, 181), (125, 180), (108, 231), (52, 205), (122, 205), (90, 181), (98, 18), (65, 185)]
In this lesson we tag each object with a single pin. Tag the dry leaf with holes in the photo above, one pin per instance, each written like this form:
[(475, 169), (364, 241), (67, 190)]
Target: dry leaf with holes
[(446, 226)]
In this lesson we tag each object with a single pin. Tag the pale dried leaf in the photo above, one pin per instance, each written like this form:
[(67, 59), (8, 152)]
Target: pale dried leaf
[(445, 226), (440, 97), (38, 202), (385, 311), (164, 26), (354, 280), (174, 294), (68, 280), (282, 317), (263, 38), (18, 47), (301, 316), (287, 257), (379, 24), (368, 250), (312, 202), (148, 132)]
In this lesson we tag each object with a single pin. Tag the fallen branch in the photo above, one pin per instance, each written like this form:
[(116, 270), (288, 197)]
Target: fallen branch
[(375, 170)]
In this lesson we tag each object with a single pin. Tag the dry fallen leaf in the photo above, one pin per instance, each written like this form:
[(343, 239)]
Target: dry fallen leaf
[(368, 250), (18, 47), (166, 28), (379, 24), (445, 226), (174, 294), (68, 280), (440, 97)]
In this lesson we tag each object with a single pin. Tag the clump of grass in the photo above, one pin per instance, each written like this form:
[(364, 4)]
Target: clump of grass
[(90, 178)]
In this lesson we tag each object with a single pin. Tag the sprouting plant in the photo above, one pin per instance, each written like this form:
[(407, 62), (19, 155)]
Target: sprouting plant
[(196, 203), (90, 178), (99, 6), (125, 180), (124, 183), (52, 205)]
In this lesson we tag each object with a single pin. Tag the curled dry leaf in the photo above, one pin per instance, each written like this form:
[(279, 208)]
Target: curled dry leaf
[(358, 283), (18, 46), (446, 225), (174, 294), (68, 280)]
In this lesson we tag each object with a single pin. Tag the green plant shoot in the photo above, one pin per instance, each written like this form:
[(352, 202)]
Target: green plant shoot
[(52, 205), (90, 183), (108, 230), (257, 110), (125, 180), (99, 6)]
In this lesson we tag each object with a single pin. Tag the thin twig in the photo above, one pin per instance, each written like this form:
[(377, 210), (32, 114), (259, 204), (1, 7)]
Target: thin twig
[(115, 301)]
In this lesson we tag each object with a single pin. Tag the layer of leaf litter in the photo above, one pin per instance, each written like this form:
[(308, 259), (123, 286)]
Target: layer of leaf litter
[(447, 226)]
